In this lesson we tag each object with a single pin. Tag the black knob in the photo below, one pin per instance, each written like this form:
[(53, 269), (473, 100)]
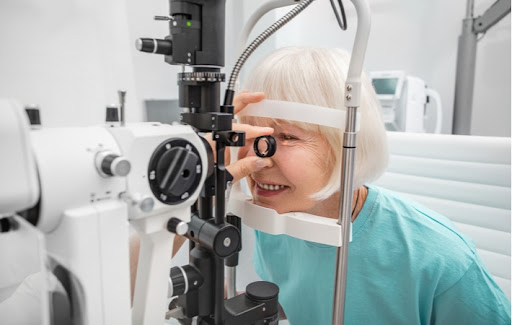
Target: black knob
[(33, 115), (177, 226), (262, 291), (185, 279), (112, 114), (176, 171), (111, 164), (152, 45)]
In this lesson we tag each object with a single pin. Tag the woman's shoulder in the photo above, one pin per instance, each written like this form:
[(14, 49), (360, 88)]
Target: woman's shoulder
[(429, 240), (400, 210)]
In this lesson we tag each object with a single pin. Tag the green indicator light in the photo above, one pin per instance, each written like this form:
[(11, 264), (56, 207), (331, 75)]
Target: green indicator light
[(189, 23)]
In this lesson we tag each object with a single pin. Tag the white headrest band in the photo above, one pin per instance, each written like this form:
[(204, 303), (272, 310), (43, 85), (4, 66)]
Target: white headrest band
[(298, 112)]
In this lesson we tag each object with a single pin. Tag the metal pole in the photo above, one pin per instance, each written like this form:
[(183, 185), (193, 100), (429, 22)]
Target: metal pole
[(465, 75), (349, 152), (352, 102), (231, 281)]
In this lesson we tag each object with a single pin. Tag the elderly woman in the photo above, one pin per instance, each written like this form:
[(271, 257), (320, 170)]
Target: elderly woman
[(406, 265)]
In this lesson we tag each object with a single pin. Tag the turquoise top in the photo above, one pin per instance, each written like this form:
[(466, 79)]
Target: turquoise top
[(406, 265)]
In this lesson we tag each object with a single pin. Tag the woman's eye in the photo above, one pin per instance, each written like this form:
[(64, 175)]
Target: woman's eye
[(287, 137)]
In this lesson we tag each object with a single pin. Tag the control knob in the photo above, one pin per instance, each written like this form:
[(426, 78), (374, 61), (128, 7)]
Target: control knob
[(110, 164)]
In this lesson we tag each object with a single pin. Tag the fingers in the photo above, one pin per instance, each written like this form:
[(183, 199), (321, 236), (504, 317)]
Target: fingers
[(246, 166), (253, 131), (244, 98)]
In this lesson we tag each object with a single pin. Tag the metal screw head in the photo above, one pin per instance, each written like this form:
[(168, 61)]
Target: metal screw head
[(147, 204), (195, 283), (349, 87), (227, 242), (174, 23), (348, 97)]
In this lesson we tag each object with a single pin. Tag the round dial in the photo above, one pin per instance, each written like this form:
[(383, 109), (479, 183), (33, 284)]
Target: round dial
[(175, 170)]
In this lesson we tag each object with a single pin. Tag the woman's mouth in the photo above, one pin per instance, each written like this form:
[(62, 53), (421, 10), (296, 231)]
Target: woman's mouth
[(269, 189)]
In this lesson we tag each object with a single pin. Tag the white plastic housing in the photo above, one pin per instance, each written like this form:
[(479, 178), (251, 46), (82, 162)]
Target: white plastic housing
[(137, 143), (67, 170), (92, 243), (18, 178)]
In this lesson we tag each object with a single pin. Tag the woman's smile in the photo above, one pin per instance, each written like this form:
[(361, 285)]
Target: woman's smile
[(268, 189)]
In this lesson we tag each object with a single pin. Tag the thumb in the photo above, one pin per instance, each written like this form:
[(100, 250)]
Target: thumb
[(246, 166)]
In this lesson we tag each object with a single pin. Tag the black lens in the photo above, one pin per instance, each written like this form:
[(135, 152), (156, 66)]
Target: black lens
[(265, 146)]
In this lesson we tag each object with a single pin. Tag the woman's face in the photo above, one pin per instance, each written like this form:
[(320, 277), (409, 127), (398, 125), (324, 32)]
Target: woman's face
[(300, 169)]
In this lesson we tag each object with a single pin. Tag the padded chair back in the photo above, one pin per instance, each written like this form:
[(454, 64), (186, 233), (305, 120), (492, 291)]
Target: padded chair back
[(465, 178)]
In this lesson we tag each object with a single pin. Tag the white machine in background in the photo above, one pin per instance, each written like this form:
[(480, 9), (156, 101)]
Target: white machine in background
[(83, 185), (404, 101)]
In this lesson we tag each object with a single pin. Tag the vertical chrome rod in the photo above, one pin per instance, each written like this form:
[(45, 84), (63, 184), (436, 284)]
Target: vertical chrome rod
[(352, 102), (347, 175)]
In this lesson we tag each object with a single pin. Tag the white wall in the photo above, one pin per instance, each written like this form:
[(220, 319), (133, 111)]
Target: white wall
[(69, 57)]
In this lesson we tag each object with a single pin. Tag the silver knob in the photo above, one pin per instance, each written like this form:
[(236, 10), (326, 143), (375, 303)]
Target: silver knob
[(145, 203), (110, 164)]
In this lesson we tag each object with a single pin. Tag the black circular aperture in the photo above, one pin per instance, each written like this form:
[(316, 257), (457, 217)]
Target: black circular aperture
[(174, 171), (265, 146)]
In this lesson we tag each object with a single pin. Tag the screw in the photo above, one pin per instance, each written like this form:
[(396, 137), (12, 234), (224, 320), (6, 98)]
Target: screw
[(227, 242), (349, 87), (348, 97), (195, 283)]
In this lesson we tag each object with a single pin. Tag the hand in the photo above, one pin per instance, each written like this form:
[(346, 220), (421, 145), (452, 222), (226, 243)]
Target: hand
[(248, 165)]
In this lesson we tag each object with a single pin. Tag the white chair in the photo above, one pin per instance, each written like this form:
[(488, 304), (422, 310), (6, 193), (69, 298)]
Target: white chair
[(465, 178)]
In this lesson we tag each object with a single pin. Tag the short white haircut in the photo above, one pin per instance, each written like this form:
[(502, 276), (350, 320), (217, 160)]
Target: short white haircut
[(317, 76)]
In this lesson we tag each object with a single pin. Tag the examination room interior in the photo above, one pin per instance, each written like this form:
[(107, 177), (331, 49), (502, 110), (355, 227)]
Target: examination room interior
[(70, 58)]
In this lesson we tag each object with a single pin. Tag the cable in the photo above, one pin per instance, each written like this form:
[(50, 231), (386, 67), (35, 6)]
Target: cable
[(342, 22)]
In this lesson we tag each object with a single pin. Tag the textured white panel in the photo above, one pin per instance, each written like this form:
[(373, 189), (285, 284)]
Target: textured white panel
[(488, 239), (498, 264), (504, 285), (487, 195), (451, 147), (472, 172)]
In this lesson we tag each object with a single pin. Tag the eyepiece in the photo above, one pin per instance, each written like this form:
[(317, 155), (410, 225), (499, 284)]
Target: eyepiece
[(265, 146)]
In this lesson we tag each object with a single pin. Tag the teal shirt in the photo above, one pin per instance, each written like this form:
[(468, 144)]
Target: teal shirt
[(406, 265)]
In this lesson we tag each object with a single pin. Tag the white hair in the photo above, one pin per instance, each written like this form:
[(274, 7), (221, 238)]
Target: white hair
[(317, 76)]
